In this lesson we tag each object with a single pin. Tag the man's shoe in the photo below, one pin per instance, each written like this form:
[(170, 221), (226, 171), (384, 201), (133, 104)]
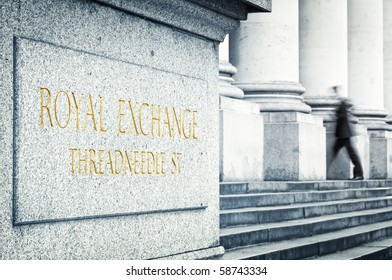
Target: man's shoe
[(357, 178)]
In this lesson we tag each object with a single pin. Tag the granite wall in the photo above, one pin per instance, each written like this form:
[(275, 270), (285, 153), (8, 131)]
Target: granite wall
[(109, 128)]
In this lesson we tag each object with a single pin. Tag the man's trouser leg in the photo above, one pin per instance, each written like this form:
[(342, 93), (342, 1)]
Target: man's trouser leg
[(354, 158)]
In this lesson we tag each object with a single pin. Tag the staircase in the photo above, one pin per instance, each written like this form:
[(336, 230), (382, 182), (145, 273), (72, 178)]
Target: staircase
[(306, 220)]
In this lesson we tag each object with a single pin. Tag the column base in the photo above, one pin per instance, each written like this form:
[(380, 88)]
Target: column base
[(277, 96), (373, 119), (341, 168), (226, 72), (324, 106), (380, 154), (241, 141), (388, 119), (294, 147)]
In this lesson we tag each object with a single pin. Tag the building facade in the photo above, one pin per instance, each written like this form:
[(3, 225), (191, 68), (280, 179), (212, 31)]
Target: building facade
[(286, 63)]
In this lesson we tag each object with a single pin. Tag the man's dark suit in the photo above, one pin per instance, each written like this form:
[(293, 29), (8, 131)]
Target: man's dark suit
[(343, 134)]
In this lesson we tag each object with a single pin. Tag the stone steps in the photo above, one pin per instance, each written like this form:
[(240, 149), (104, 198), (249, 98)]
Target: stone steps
[(233, 237), (378, 250), (318, 245), (299, 220), (281, 186), (258, 215), (282, 198)]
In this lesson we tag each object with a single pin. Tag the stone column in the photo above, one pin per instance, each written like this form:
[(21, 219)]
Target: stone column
[(365, 80), (365, 57), (241, 128), (388, 58), (226, 72), (323, 64), (265, 51), (323, 52)]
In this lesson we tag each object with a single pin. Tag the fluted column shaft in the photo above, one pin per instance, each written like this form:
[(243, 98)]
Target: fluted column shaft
[(366, 80), (323, 64), (365, 61), (388, 58), (265, 51), (322, 52)]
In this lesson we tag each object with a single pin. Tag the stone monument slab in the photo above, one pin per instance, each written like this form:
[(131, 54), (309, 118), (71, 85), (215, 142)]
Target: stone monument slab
[(93, 136)]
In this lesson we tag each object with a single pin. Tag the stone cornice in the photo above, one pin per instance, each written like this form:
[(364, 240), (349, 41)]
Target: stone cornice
[(212, 19), (265, 5)]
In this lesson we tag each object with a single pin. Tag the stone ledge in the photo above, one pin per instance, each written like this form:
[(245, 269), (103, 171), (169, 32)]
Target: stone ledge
[(204, 254), (210, 19), (242, 187), (283, 117), (265, 4), (239, 106), (380, 134)]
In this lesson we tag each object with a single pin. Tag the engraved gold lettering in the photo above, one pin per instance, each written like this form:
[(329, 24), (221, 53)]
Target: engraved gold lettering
[(90, 114), (82, 160), (73, 160), (118, 152), (133, 118), (163, 161), (129, 162), (166, 121), (194, 125), (176, 161), (183, 124), (100, 162), (150, 162), (120, 115), (178, 123), (77, 106), (179, 162), (155, 119), (92, 162), (110, 162), (101, 129), (69, 109), (143, 162), (141, 118), (42, 90), (135, 162)]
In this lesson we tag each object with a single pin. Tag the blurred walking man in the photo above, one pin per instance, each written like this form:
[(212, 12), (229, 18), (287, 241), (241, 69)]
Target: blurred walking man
[(344, 133)]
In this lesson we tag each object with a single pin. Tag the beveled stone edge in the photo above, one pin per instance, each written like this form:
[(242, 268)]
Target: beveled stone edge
[(104, 216), (276, 87), (238, 106), (213, 253), (222, 19), (265, 4)]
